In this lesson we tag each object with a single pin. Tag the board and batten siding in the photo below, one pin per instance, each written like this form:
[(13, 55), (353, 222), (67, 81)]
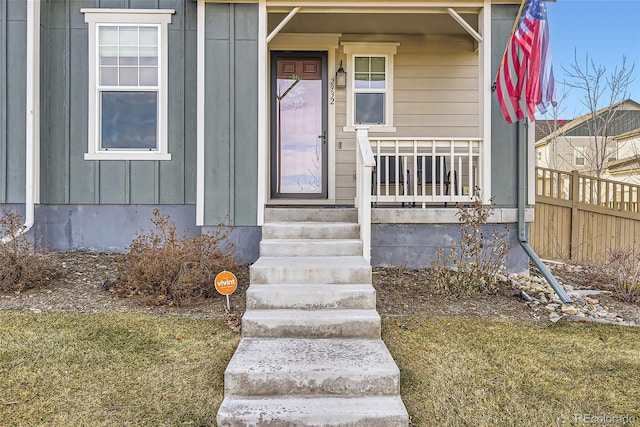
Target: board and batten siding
[(435, 95), (231, 114), (13, 39), (504, 136), (66, 178)]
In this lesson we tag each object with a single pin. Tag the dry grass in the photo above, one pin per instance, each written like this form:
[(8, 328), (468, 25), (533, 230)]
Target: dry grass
[(478, 372), (111, 369), (138, 370)]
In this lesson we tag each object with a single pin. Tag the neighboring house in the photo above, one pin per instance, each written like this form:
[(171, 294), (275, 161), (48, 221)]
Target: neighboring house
[(627, 165), (568, 145), (214, 110)]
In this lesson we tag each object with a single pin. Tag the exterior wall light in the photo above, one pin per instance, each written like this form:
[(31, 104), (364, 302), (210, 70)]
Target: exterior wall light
[(341, 77)]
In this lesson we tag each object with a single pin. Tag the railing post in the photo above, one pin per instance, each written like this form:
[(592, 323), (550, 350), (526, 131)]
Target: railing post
[(364, 164), (575, 222)]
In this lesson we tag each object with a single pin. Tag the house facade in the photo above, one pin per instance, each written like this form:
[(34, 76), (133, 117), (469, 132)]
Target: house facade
[(213, 111), (569, 144)]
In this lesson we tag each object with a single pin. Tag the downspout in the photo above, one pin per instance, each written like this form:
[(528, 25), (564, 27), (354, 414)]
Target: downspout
[(522, 230), (32, 132)]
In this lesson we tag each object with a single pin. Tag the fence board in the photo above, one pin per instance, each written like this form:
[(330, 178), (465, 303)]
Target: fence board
[(579, 218)]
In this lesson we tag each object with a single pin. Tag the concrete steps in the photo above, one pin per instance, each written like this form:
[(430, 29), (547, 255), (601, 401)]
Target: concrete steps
[(358, 323), (311, 296), (304, 367), (310, 247), (311, 353), (327, 270), (376, 411)]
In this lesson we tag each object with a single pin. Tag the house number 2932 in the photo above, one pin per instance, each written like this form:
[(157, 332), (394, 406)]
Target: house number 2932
[(332, 91)]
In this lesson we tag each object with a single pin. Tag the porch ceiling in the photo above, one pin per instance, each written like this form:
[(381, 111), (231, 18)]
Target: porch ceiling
[(374, 23)]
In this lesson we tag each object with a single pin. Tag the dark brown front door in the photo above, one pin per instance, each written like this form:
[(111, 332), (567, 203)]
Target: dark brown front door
[(298, 122)]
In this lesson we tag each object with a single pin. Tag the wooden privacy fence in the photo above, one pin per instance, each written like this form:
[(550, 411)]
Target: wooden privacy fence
[(580, 217)]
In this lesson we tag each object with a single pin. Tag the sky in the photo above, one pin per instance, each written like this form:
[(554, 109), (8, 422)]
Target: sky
[(605, 29)]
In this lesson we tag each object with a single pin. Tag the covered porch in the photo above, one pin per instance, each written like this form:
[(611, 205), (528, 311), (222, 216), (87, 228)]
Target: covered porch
[(410, 125)]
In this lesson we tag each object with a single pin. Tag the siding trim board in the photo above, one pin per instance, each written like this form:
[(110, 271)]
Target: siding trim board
[(3, 100)]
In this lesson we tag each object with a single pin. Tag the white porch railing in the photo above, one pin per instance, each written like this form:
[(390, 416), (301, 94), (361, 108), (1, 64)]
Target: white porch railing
[(365, 162), (413, 171), (425, 170)]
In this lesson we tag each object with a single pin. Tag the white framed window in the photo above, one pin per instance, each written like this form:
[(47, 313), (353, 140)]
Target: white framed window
[(128, 68), (612, 156), (578, 157), (370, 85)]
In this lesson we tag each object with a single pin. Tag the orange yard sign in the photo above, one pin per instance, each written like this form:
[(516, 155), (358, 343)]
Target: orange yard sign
[(226, 283)]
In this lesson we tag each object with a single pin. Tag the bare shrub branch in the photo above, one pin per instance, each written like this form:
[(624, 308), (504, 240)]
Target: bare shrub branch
[(21, 265), (168, 268), (471, 266)]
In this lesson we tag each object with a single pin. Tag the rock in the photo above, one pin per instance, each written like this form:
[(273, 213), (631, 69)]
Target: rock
[(568, 288), (591, 307), (551, 307), (590, 300), (543, 298), (569, 309), (525, 296), (612, 315)]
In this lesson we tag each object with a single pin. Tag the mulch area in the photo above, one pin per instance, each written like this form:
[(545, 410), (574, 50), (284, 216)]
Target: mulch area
[(400, 292)]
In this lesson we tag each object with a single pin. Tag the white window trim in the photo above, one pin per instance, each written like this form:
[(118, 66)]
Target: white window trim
[(386, 50), (161, 17)]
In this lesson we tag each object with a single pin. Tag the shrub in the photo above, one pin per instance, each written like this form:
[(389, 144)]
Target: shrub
[(21, 265), (471, 265), (624, 266), (167, 268)]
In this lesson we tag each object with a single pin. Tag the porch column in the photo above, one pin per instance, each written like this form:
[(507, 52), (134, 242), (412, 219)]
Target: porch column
[(262, 109), (486, 81)]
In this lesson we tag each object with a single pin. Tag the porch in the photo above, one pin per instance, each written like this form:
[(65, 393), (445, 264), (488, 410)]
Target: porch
[(429, 139)]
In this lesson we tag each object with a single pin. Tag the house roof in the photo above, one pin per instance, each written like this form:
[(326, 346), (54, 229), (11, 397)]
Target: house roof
[(627, 120)]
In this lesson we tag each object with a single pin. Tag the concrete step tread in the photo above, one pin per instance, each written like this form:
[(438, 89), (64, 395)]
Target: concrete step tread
[(315, 214), (311, 296), (313, 241), (304, 367), (312, 261), (313, 357), (386, 411), (310, 247), (301, 315), (333, 323)]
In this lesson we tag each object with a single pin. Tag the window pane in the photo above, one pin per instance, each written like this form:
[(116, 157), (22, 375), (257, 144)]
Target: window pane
[(377, 81), (128, 55), (148, 76), (148, 56), (108, 76), (377, 65), (108, 55), (129, 120), (108, 36), (128, 36), (362, 81), (370, 108), (362, 65), (148, 36), (128, 76)]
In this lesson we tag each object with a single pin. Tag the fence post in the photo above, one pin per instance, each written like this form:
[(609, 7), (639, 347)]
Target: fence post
[(575, 225)]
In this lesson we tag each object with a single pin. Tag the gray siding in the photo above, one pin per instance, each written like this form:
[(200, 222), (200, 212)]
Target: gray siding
[(231, 127), (13, 39), (503, 135), (69, 179)]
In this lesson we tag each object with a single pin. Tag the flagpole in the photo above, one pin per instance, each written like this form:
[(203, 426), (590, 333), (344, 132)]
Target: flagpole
[(513, 29)]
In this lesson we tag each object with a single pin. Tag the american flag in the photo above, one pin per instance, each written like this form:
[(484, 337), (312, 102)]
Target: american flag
[(525, 78)]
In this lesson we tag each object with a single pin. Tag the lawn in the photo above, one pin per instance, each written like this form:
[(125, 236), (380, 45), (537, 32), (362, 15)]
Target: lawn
[(131, 369)]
